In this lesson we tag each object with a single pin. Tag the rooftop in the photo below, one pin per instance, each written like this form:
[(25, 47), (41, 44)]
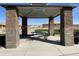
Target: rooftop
[(41, 4), (40, 10)]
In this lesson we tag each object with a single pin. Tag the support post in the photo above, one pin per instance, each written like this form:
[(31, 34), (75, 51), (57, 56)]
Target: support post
[(66, 27), (24, 26), (12, 26), (51, 26)]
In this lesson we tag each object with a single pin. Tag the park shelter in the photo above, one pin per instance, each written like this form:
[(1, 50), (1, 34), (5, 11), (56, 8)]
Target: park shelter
[(38, 10)]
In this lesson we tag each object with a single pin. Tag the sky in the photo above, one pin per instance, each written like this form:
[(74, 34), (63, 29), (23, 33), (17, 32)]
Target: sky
[(39, 21)]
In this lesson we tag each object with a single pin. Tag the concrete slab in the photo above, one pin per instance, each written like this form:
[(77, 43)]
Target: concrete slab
[(40, 48), (69, 50)]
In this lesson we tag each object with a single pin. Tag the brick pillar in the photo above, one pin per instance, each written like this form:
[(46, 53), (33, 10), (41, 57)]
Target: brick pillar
[(66, 27), (24, 26), (12, 32), (51, 26)]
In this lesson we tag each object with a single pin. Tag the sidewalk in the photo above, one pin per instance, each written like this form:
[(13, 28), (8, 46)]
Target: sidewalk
[(40, 48)]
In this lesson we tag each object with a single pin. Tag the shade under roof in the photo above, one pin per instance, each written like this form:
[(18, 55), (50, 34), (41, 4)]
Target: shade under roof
[(37, 12)]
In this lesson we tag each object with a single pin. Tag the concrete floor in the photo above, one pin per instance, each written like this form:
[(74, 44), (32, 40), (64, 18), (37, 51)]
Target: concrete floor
[(41, 48)]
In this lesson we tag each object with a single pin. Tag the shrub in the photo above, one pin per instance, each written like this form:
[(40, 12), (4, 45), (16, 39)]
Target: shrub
[(42, 31), (76, 30), (56, 31)]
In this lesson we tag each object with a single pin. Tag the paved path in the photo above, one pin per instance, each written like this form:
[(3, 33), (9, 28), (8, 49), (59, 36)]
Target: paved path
[(40, 48)]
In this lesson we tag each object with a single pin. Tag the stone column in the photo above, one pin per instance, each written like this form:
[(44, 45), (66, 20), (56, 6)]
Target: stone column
[(51, 26), (24, 26), (66, 27), (12, 26)]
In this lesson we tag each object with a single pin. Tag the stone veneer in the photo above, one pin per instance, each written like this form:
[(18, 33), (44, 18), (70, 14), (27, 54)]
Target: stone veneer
[(66, 27), (12, 26), (51, 26)]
